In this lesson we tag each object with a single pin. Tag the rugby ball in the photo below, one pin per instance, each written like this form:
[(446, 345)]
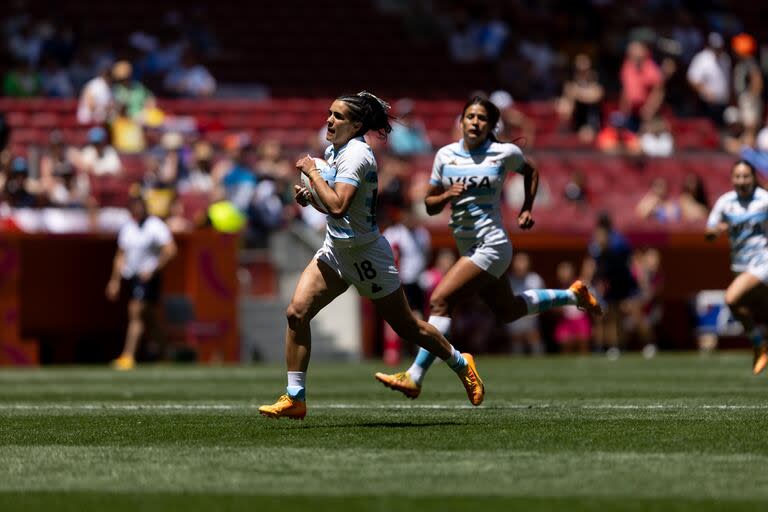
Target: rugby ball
[(328, 173)]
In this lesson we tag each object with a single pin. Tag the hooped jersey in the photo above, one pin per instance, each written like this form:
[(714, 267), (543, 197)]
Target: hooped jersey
[(747, 221), (354, 164), (476, 213)]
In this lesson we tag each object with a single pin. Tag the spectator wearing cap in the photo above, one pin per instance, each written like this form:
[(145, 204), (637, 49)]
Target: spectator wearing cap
[(199, 177), (409, 136), (129, 93), (512, 123), (710, 76), (17, 189), (98, 157), (642, 86), (96, 102), (747, 84)]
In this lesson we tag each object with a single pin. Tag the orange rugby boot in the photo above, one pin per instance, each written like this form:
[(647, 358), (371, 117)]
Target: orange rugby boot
[(285, 407), (401, 382), (472, 381), (586, 301), (761, 361), (124, 363)]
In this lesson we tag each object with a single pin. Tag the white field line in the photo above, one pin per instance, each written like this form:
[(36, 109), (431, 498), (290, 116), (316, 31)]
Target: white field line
[(234, 407)]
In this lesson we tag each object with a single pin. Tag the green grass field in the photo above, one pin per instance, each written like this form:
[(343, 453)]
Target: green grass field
[(678, 432)]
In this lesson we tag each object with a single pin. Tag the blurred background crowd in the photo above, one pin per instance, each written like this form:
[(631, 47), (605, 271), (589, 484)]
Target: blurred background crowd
[(633, 112)]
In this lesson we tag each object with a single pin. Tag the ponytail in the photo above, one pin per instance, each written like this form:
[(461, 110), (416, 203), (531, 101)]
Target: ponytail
[(370, 110)]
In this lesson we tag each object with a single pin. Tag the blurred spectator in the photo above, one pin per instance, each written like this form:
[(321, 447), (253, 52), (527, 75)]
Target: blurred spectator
[(614, 139), (158, 188), (642, 86), (543, 60), (5, 132), (464, 40), (98, 157), (54, 80), (55, 159), (409, 136), (758, 156), (128, 93), (410, 244), (70, 189), (710, 76), (234, 177), (199, 177), (96, 102), (580, 105), (573, 329), (191, 79), (177, 221), (656, 138), (657, 205), (734, 136), (430, 278), (22, 81), (747, 85), (492, 32), (524, 334), (694, 205), (575, 190), (687, 34), (271, 161), (609, 267), (513, 125), (644, 314), (127, 132), (16, 191)]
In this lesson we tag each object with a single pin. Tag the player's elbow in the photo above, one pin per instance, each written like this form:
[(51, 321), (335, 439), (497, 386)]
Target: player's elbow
[(338, 211)]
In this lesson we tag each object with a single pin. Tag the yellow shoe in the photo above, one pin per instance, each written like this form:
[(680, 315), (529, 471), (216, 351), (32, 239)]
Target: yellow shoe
[(285, 407), (586, 301), (124, 363), (761, 361), (401, 382), (472, 381)]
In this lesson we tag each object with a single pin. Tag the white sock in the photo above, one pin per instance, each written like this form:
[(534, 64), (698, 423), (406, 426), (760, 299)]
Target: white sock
[(456, 361), (295, 387), (539, 301), (424, 358)]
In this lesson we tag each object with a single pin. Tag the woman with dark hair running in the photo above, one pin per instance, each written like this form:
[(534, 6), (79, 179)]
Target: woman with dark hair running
[(469, 175), (743, 214), (354, 252)]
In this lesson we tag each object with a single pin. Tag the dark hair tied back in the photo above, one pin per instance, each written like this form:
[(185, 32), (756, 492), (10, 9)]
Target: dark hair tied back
[(490, 108), (370, 110)]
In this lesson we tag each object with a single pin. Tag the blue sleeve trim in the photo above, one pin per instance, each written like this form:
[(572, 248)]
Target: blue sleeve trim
[(348, 181)]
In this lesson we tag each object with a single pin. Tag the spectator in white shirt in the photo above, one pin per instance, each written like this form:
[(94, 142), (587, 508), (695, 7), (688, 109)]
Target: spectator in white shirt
[(98, 157), (710, 76), (96, 102)]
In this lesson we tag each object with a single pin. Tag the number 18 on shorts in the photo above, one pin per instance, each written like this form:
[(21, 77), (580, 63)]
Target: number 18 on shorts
[(370, 267)]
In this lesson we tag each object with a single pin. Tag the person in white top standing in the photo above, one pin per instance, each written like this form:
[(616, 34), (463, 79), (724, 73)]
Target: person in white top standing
[(96, 103), (710, 76), (144, 247), (469, 175), (354, 252)]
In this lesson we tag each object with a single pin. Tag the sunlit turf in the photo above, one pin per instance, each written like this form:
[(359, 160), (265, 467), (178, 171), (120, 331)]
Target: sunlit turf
[(678, 432)]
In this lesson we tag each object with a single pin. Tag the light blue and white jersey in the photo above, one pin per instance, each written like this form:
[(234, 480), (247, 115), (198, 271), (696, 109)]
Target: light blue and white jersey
[(355, 164), (747, 221), (476, 213)]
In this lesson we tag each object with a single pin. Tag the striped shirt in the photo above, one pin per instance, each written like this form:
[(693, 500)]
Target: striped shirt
[(747, 221), (476, 213), (354, 164)]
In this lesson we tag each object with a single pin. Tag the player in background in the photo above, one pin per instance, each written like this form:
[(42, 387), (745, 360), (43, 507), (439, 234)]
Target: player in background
[(354, 252), (469, 175), (144, 246), (743, 214), (410, 245)]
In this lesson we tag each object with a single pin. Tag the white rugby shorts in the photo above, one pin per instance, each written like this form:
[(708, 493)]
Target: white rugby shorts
[(370, 267), (494, 259)]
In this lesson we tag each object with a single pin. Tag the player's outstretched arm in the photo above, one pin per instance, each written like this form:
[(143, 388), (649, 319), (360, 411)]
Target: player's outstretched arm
[(531, 186)]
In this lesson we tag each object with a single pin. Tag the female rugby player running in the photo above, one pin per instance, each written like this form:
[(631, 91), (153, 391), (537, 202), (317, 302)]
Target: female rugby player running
[(354, 252), (469, 175), (743, 213)]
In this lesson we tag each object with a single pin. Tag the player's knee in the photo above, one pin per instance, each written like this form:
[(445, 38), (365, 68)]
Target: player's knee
[(297, 316)]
